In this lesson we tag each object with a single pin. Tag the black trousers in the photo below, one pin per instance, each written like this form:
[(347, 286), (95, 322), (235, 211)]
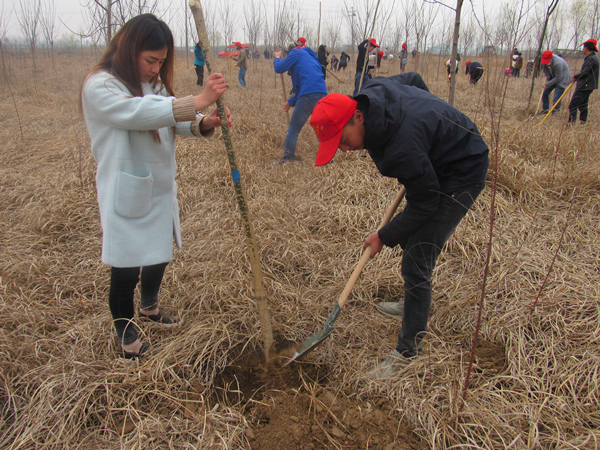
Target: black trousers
[(579, 102), (200, 75), (123, 281)]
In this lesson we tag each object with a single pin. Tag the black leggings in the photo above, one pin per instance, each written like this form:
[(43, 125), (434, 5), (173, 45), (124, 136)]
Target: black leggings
[(123, 281), (200, 75)]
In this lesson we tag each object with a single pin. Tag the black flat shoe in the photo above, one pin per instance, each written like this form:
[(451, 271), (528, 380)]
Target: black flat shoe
[(144, 352), (161, 318)]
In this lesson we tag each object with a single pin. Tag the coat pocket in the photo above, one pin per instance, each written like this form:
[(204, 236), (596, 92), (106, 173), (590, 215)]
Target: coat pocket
[(134, 195)]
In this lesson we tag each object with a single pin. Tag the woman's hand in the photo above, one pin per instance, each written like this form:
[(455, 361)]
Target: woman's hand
[(213, 120), (374, 242), (214, 87)]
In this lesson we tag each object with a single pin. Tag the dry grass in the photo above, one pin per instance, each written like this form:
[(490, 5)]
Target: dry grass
[(535, 378)]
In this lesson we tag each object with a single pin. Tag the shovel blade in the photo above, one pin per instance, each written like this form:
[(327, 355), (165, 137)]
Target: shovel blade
[(312, 342)]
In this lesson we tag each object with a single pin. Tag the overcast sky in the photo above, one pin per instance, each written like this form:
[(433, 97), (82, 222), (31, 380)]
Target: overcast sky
[(72, 13)]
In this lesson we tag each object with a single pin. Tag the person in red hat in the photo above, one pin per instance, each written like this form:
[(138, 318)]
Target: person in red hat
[(587, 81), (241, 63), (364, 48), (558, 77), (475, 71), (403, 58), (301, 42), (437, 153), (308, 86)]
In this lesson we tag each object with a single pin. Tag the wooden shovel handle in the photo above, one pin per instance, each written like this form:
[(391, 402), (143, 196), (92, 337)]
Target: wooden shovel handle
[(367, 253), (557, 102), (284, 96)]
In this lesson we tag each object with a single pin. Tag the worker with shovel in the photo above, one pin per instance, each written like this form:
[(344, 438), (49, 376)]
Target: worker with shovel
[(558, 77), (437, 153), (363, 74), (309, 87)]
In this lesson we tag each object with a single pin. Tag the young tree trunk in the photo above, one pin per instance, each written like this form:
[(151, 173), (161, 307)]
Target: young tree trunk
[(257, 274), (459, 4), (538, 55)]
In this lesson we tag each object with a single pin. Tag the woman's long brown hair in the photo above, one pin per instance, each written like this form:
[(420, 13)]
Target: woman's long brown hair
[(142, 33)]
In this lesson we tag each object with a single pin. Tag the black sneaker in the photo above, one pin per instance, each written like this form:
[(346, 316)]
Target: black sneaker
[(161, 319)]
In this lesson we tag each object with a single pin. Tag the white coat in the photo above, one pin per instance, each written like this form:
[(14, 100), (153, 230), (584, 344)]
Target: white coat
[(135, 178)]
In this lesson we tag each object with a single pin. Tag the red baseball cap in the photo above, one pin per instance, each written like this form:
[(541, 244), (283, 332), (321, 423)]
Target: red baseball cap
[(467, 63), (303, 40), (593, 42), (373, 42), (330, 116), (546, 57), (380, 52), (237, 44)]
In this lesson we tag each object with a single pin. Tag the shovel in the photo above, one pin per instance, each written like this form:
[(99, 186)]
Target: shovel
[(557, 102), (320, 336)]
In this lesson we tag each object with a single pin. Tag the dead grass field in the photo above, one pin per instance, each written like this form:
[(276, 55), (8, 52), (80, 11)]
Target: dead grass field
[(534, 382)]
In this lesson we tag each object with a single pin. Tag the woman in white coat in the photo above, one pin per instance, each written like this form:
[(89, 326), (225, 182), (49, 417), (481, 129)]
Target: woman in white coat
[(132, 117)]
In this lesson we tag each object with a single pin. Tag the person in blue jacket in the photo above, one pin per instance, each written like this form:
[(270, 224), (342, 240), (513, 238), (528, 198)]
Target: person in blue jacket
[(199, 63), (437, 153), (308, 85)]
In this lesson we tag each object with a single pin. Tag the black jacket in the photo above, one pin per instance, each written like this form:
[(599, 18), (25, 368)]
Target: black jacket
[(362, 51), (587, 79), (429, 146), (473, 68)]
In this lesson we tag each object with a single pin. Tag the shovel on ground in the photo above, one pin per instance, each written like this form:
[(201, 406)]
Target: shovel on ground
[(321, 335)]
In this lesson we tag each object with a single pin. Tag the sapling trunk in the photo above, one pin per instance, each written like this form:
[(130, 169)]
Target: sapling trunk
[(259, 289)]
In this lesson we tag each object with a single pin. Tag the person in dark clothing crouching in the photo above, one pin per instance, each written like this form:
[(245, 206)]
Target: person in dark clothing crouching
[(474, 70), (437, 153)]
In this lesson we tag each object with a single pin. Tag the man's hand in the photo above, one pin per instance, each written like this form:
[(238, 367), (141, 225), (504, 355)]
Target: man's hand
[(374, 243), (286, 106), (277, 54)]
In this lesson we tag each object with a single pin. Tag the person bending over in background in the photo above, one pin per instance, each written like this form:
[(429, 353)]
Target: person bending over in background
[(474, 70), (308, 85), (558, 77), (437, 153), (334, 62), (344, 57), (132, 117), (587, 81)]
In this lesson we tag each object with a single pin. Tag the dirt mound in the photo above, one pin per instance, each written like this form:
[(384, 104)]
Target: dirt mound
[(327, 420), (295, 407)]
